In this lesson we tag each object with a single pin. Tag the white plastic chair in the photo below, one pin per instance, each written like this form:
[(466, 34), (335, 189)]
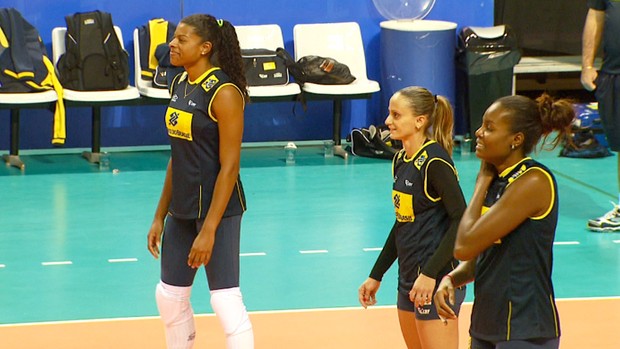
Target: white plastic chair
[(343, 42), (267, 36), (145, 87), (15, 102), (95, 99)]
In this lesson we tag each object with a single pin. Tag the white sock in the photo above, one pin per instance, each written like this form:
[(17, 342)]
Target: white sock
[(229, 308), (177, 314)]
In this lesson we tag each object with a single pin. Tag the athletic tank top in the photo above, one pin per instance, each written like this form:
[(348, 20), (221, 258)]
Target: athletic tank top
[(194, 140), (514, 298), (423, 220)]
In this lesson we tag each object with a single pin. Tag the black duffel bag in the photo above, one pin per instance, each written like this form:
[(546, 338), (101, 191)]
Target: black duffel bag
[(264, 68)]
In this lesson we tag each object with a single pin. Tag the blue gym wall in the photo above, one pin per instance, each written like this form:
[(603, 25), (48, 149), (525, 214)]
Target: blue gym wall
[(142, 126)]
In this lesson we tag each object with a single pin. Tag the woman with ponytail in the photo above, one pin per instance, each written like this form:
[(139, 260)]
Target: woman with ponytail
[(429, 203), (202, 200), (507, 231)]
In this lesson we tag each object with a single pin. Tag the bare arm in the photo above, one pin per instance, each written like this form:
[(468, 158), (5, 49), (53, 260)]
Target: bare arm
[(528, 196), (228, 109), (154, 236), (592, 34)]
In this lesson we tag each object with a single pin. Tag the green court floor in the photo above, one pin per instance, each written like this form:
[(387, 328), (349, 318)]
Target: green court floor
[(73, 239)]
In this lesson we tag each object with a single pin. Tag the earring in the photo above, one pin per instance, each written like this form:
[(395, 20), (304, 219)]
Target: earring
[(512, 146)]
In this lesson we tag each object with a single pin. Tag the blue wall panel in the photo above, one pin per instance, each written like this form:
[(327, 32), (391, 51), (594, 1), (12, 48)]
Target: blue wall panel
[(127, 126)]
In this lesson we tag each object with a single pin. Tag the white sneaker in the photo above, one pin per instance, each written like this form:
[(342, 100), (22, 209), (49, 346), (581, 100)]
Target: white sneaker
[(609, 222)]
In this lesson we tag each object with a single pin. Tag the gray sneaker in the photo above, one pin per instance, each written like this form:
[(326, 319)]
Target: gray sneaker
[(609, 222)]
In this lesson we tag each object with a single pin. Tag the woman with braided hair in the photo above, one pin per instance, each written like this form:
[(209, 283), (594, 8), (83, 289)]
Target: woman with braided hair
[(202, 200), (506, 234)]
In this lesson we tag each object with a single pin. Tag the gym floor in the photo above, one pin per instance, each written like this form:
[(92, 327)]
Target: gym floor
[(75, 271)]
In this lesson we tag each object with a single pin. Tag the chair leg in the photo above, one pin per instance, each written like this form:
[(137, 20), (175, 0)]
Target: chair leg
[(93, 155), (338, 150), (12, 159)]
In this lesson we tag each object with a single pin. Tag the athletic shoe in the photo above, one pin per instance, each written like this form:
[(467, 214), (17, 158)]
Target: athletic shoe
[(609, 222)]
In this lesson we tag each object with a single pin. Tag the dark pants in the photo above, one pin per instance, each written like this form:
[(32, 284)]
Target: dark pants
[(541, 343), (223, 268), (608, 96)]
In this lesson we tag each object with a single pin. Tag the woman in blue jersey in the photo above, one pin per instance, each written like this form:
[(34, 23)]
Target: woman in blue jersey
[(202, 200), (429, 204), (507, 231)]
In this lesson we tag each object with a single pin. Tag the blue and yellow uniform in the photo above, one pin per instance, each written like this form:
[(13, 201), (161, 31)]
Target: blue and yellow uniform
[(194, 139), (195, 164), (514, 297), (428, 204)]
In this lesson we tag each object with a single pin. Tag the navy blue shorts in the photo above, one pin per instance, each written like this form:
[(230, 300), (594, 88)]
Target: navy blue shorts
[(608, 96), (223, 268), (429, 312), (540, 343)]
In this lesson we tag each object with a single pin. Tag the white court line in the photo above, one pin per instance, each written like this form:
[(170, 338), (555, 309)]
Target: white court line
[(370, 249), (252, 254), (285, 311), (2, 265), (122, 260), (566, 243), (45, 264), (616, 241), (312, 251)]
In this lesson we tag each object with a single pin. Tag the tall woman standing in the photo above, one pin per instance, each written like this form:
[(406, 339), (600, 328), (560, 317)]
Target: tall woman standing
[(202, 201), (507, 231), (428, 203)]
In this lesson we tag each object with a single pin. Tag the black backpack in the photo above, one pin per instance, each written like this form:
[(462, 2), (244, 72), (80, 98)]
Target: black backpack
[(154, 52), (94, 59), (317, 69)]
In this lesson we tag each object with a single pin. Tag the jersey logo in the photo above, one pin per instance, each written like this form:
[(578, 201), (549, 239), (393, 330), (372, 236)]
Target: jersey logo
[(403, 206), (179, 123), (517, 174), (421, 160), (210, 82)]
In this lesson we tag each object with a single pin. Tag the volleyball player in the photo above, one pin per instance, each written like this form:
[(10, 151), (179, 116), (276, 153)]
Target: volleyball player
[(202, 200), (429, 204), (507, 231)]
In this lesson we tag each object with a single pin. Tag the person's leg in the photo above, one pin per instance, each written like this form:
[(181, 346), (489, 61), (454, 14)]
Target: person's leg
[(608, 97), (223, 275), (174, 289), (407, 321)]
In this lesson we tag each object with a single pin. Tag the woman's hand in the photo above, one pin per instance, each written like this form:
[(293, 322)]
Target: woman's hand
[(445, 294), (422, 291), (367, 293), (202, 249), (153, 239)]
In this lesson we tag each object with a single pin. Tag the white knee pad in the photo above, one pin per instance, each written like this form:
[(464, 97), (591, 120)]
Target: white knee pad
[(229, 308), (177, 314)]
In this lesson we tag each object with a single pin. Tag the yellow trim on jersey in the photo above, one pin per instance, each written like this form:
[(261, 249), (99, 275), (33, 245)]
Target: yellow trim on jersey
[(506, 171), (511, 180), (215, 93), (26, 74), (508, 322), (552, 201), (426, 178), (239, 195), (555, 316), (417, 152), (199, 201)]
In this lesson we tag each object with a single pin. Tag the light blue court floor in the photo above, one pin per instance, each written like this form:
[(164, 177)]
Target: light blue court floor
[(73, 239)]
